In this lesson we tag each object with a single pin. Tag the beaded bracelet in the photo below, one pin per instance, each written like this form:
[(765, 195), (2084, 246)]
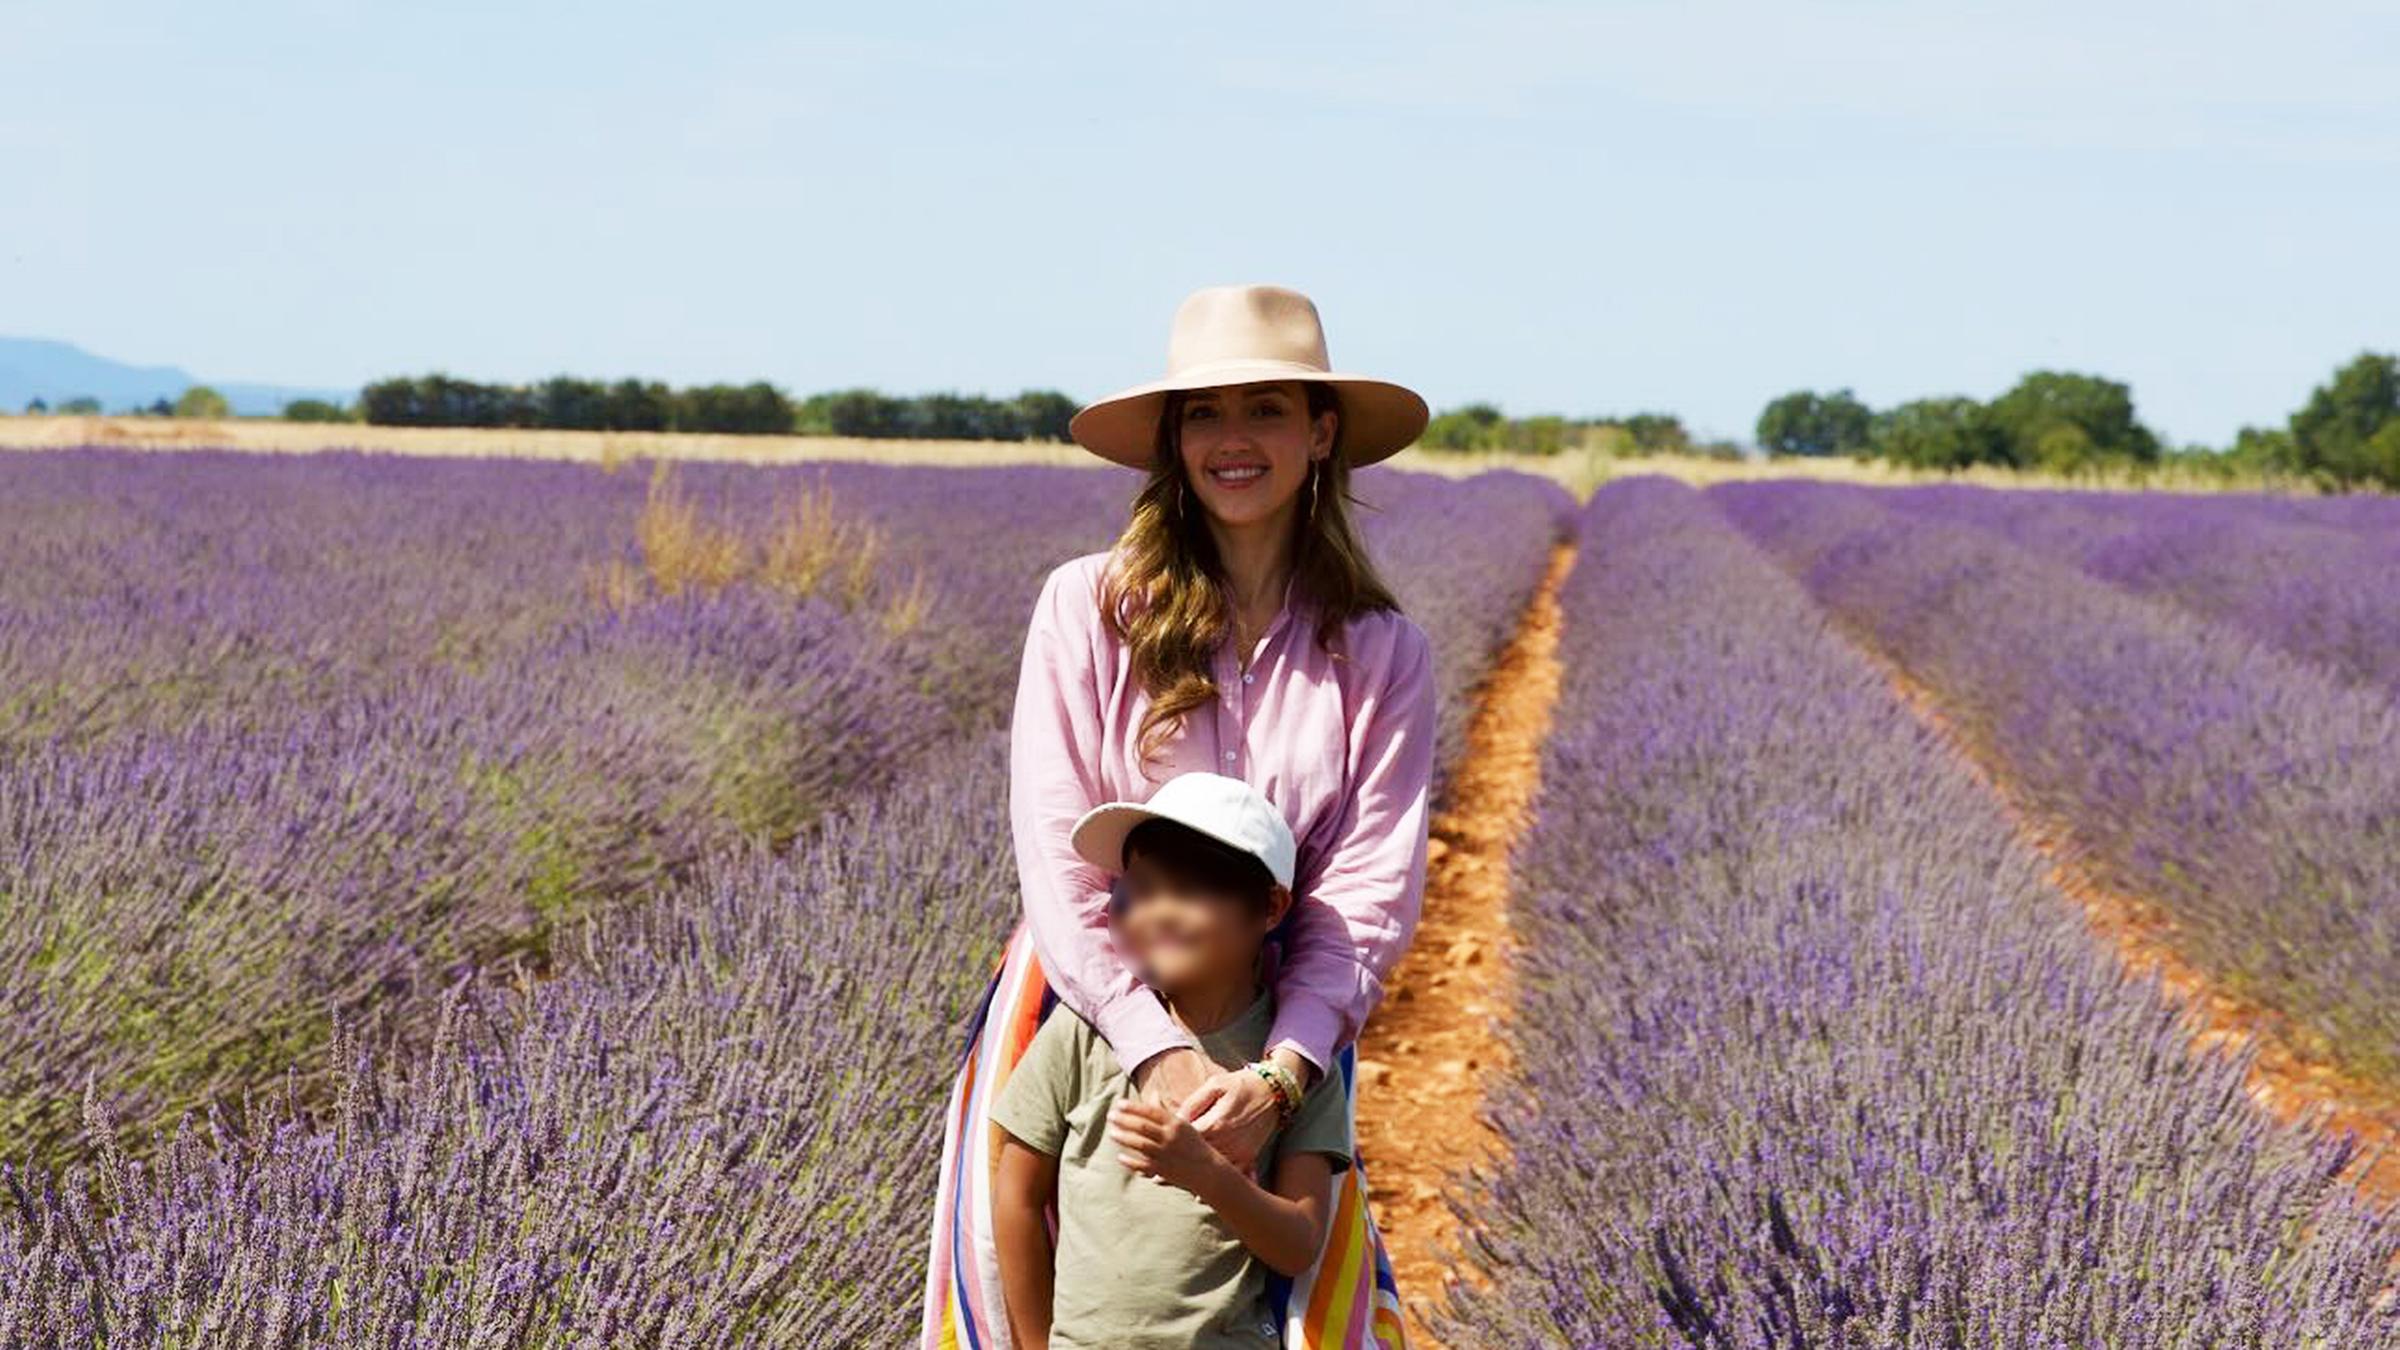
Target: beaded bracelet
[(1285, 1083)]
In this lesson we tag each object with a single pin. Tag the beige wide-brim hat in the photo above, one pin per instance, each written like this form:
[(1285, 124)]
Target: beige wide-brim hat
[(1228, 335)]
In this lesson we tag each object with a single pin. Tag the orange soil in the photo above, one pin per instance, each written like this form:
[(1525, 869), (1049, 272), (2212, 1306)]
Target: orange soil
[(2288, 1075), (1427, 1052)]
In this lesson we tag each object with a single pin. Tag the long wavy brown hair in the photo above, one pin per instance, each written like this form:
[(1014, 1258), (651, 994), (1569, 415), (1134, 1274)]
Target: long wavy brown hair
[(1163, 596)]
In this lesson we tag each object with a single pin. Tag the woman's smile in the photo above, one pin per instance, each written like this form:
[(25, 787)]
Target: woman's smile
[(1235, 477)]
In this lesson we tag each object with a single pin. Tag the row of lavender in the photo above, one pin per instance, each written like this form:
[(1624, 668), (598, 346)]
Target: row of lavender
[(713, 1126), (2319, 584), (1809, 1056), (142, 592), (2255, 795), (2372, 514)]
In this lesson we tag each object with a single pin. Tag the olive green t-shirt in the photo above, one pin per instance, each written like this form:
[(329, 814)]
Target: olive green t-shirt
[(1141, 1263)]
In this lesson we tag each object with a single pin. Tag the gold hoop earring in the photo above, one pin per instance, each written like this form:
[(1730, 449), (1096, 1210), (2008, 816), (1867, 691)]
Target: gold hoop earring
[(1316, 489)]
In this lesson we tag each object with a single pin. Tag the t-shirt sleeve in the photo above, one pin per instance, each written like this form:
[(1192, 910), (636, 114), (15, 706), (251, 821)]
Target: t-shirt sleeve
[(1322, 1126), (1046, 1084)]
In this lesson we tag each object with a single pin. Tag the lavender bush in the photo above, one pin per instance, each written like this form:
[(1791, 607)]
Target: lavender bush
[(1807, 1054), (2312, 589), (188, 905), (716, 1131), (1465, 557), (2254, 796)]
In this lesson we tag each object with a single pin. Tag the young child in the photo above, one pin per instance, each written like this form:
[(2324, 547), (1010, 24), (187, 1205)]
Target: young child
[(1161, 1242)]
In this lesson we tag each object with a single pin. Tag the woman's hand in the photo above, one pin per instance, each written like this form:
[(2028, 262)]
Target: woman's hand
[(1170, 1077), (1236, 1111), (1156, 1142)]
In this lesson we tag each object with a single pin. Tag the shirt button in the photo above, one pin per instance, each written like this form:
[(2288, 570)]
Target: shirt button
[(1249, 678), (1229, 757)]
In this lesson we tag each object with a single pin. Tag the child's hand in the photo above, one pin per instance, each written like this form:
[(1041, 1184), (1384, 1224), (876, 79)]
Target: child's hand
[(1156, 1142)]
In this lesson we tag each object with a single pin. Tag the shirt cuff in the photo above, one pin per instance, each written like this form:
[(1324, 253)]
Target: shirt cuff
[(1309, 1027), (1137, 1026)]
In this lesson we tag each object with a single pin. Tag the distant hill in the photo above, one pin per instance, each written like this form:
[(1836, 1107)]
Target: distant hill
[(54, 372)]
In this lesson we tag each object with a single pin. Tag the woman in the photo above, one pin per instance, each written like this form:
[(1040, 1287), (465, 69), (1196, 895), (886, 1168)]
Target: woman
[(1236, 626)]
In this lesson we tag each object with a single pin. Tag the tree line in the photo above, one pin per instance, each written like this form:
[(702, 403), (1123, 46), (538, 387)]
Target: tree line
[(1482, 426), (198, 401), (2346, 434), (566, 403)]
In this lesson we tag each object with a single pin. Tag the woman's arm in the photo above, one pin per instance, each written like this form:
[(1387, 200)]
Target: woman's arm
[(1358, 905), (1055, 738), (1283, 1226), (1022, 1186)]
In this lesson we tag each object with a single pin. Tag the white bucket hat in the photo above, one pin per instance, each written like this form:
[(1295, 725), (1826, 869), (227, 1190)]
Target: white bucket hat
[(1227, 335), (1227, 810)]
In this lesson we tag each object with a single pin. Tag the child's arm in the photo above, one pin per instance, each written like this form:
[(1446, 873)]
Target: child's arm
[(1022, 1186), (1284, 1226)]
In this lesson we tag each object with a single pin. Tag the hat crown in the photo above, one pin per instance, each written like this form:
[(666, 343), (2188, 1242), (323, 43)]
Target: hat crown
[(1223, 324), (1225, 809)]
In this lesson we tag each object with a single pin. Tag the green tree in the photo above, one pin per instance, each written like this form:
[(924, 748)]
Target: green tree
[(1808, 423), (1477, 426), (2381, 460), (2263, 450), (637, 405), (2036, 417), (1043, 414), (1658, 433), (1543, 435), (566, 403), (314, 410), (82, 405), (439, 400), (858, 412), (202, 401), (753, 409), (2344, 431), (958, 417), (1938, 433)]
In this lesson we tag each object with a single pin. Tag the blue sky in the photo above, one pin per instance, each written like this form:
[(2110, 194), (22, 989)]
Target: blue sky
[(1687, 205)]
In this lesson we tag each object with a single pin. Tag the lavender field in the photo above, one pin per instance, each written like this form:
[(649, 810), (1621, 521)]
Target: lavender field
[(486, 903), (1812, 1057), (2192, 752), (482, 903)]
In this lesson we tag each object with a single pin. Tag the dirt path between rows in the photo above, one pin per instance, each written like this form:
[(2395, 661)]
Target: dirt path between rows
[(1428, 1051), (2296, 1084)]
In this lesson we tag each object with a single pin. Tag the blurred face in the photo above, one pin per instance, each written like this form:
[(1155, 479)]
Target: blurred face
[(1247, 449), (1186, 939)]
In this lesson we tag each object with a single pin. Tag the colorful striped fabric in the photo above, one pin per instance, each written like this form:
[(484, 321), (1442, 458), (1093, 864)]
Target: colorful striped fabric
[(1348, 1301)]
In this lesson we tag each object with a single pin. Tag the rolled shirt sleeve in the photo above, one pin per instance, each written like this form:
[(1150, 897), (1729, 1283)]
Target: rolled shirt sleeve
[(1056, 734), (1358, 905)]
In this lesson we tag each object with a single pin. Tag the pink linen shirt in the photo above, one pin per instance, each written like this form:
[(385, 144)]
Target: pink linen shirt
[(1342, 745)]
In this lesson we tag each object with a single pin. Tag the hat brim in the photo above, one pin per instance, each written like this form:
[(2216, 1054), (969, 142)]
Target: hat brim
[(1379, 418), (1099, 835)]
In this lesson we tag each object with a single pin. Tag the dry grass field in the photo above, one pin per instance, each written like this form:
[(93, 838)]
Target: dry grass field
[(1579, 470)]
